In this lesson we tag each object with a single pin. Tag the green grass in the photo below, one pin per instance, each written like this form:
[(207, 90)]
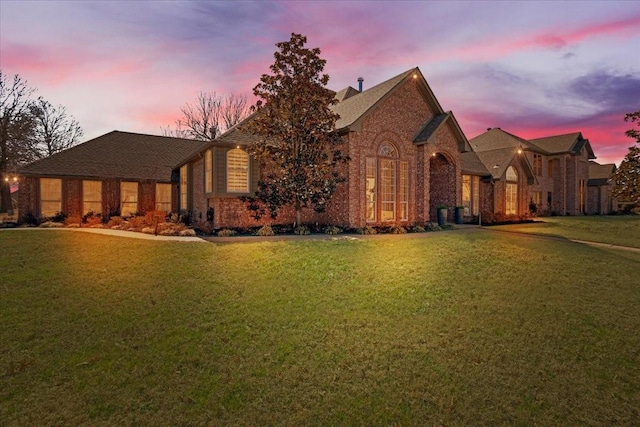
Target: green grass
[(615, 230), (451, 328)]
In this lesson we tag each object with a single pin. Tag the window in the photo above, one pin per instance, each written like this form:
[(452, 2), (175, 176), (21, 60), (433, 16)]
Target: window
[(403, 191), (208, 171), (163, 197), (390, 198), (511, 197), (370, 189), (550, 168), (537, 164), (583, 196), (50, 197), (237, 171), (549, 199), (471, 194), (92, 197), (184, 181), (128, 198)]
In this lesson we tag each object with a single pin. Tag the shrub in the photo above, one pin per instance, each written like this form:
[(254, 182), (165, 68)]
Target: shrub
[(302, 230), (225, 232), (58, 217), (416, 228), (187, 233), (115, 221), (72, 220), (265, 230), (332, 229), (136, 223), (432, 227), (152, 218), (396, 229), (367, 230), (204, 227), (51, 224)]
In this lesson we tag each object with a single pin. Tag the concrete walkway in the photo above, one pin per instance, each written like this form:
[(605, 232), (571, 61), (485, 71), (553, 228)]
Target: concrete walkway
[(118, 233)]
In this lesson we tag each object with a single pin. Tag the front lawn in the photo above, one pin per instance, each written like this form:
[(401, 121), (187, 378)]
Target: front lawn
[(615, 230), (462, 328)]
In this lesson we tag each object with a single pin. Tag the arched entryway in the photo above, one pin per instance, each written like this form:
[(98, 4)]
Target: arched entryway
[(442, 184)]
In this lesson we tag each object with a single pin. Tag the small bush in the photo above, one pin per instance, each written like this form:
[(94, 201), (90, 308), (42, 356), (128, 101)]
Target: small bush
[(225, 232), (302, 230), (188, 233), (416, 228), (152, 218), (204, 227), (72, 220), (368, 230), (332, 229), (265, 230), (115, 221), (433, 227), (51, 224), (397, 229)]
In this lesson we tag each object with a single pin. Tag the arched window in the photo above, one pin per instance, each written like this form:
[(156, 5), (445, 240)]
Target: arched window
[(511, 197), (237, 171), (386, 186)]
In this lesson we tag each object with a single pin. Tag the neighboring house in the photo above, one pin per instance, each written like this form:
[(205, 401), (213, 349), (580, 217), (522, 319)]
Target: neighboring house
[(117, 173), (405, 155), (550, 173), (599, 187)]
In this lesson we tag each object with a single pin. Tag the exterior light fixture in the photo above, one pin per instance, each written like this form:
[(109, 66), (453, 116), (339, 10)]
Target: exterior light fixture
[(519, 150)]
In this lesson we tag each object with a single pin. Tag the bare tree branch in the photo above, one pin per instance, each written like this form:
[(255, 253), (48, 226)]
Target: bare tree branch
[(54, 129)]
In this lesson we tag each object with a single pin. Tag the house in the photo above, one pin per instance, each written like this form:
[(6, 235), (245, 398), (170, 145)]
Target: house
[(599, 187), (406, 160), (544, 175), (117, 173), (408, 157)]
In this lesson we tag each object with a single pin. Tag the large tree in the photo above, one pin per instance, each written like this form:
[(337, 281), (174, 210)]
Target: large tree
[(297, 143), (54, 130), (633, 118), (627, 176), (209, 116), (16, 130)]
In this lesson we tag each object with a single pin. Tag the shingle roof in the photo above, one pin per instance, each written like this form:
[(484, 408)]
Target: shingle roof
[(496, 161), (123, 155), (430, 127), (600, 174), (567, 143), (496, 138), (354, 107), (472, 165), (345, 93)]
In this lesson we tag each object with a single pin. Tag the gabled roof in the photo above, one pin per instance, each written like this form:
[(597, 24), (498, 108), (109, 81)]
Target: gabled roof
[(429, 129), (472, 165), (495, 139), (572, 143), (123, 155), (345, 93), (600, 174), (355, 107), (497, 162)]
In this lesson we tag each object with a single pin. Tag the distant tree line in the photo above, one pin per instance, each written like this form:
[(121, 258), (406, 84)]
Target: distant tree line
[(31, 128)]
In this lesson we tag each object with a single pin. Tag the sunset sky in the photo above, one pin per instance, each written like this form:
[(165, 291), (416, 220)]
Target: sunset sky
[(532, 68)]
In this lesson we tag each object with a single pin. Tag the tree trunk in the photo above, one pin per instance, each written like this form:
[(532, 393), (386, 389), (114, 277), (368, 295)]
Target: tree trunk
[(5, 191), (298, 214)]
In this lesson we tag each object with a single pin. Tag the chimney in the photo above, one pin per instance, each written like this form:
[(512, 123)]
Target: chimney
[(360, 80)]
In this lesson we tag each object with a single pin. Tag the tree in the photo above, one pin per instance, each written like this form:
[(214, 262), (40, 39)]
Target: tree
[(633, 118), (296, 133), (16, 130), (54, 130), (209, 116), (627, 176)]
